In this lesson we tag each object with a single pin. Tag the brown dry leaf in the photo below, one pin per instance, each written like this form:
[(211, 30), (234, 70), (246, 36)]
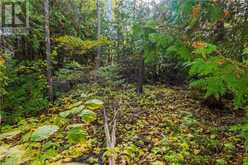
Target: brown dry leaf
[(196, 10), (199, 44)]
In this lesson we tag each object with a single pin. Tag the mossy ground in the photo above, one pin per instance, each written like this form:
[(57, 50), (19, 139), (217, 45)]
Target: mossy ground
[(163, 126)]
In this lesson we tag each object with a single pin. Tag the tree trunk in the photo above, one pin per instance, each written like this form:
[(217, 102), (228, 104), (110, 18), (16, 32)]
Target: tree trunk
[(110, 135), (109, 19), (1, 97), (219, 30), (48, 51), (140, 76), (98, 14)]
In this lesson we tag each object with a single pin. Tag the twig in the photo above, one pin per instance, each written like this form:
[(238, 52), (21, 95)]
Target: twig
[(106, 128)]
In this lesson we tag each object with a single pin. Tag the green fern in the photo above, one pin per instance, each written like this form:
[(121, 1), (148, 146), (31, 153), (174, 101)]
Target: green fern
[(71, 43)]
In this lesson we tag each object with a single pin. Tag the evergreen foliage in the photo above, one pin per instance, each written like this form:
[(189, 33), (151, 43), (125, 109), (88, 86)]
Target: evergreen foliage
[(25, 91)]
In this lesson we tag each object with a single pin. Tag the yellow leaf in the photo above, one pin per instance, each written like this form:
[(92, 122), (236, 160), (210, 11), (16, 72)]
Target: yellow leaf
[(2, 61), (196, 10)]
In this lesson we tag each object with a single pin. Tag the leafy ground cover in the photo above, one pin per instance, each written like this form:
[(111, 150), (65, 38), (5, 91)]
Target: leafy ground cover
[(163, 126)]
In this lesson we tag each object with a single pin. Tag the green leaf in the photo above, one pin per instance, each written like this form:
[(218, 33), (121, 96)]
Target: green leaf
[(186, 7), (214, 13), (76, 135), (245, 51), (77, 104), (75, 126), (221, 162), (94, 104), (179, 50), (205, 51), (150, 55), (88, 116), (44, 132), (74, 111)]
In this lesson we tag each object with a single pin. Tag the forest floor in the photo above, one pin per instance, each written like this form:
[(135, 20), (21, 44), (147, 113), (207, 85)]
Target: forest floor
[(163, 126)]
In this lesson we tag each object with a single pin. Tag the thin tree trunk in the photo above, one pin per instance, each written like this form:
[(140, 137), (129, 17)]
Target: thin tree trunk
[(48, 51), (140, 77), (219, 30), (26, 48), (110, 28), (1, 97), (141, 64), (98, 14), (106, 129)]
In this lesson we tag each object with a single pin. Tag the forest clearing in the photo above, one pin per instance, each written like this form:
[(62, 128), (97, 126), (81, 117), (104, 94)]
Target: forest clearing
[(123, 82)]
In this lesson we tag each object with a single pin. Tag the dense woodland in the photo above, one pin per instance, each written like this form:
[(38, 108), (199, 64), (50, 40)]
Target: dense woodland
[(126, 82)]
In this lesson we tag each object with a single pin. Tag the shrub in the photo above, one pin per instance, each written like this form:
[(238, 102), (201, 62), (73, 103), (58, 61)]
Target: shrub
[(167, 70), (110, 75), (26, 91), (3, 75), (218, 76), (71, 71)]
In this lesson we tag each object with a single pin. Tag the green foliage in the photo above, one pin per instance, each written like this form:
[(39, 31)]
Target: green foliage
[(218, 76), (29, 96), (76, 135), (44, 132), (161, 40), (141, 33), (3, 76), (245, 51), (71, 72), (7, 65), (69, 112), (74, 43), (3, 81), (23, 86), (73, 111), (221, 162), (214, 13), (163, 53), (163, 32), (110, 75), (26, 90), (79, 109), (189, 12), (180, 50), (205, 49), (68, 74), (94, 104), (87, 116)]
